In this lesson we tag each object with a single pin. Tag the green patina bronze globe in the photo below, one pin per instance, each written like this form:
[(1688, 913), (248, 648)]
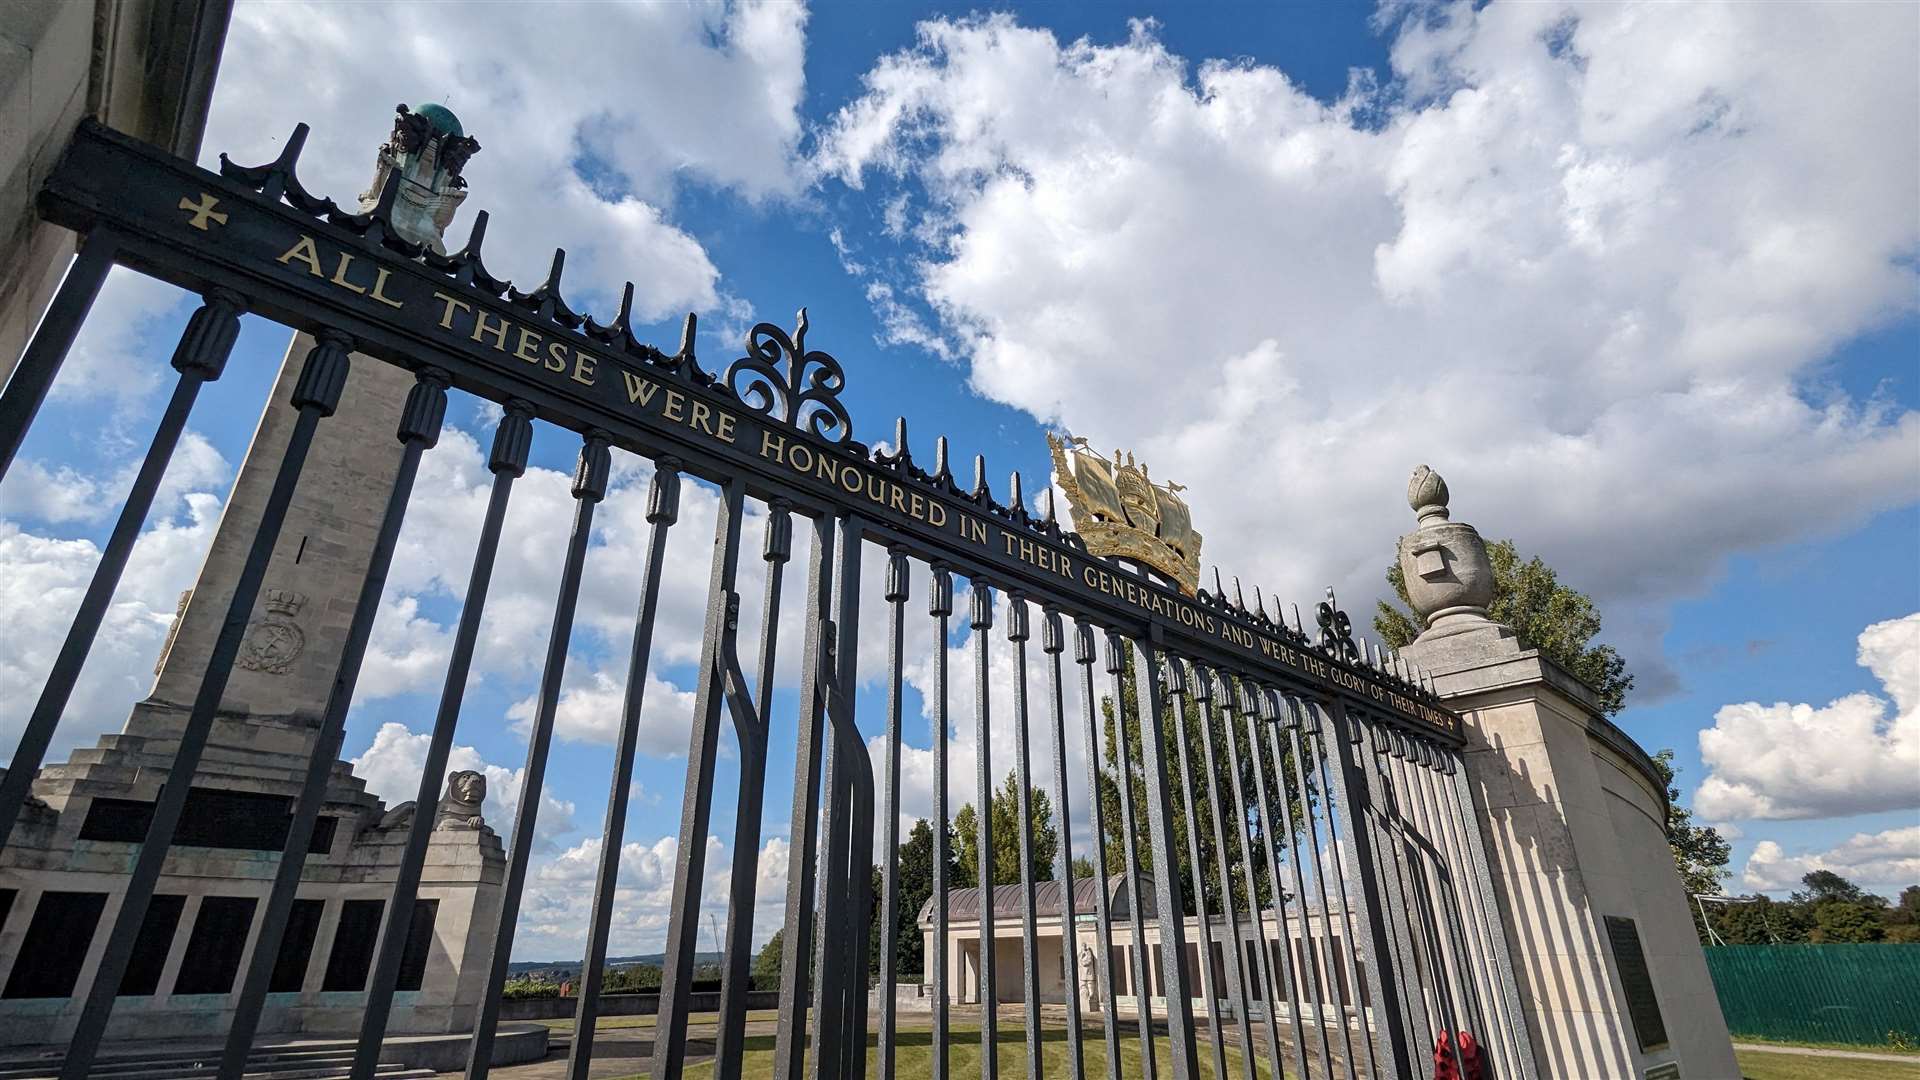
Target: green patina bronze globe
[(441, 118)]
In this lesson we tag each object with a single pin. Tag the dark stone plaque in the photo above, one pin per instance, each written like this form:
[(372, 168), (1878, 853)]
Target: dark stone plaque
[(1631, 962)]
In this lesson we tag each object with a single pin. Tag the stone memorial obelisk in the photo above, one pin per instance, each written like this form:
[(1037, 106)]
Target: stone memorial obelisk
[(1611, 976), (68, 858)]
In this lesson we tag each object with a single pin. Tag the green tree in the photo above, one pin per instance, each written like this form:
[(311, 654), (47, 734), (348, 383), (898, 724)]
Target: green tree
[(1083, 867), (1903, 920), (1826, 887), (1758, 920), (1186, 729), (766, 965), (915, 882), (1557, 619), (1700, 853), (1006, 837)]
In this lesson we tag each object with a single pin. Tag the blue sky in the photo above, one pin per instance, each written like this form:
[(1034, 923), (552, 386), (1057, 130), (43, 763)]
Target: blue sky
[(1641, 286)]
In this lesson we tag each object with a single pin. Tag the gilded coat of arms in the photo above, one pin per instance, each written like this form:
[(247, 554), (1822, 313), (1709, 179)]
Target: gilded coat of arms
[(1119, 510)]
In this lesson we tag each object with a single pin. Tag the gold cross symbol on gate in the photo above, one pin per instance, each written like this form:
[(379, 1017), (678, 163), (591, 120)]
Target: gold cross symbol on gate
[(202, 211)]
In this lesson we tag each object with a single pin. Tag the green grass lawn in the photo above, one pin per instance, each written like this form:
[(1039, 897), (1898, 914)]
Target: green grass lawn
[(609, 1023), (915, 1054), (1769, 1065)]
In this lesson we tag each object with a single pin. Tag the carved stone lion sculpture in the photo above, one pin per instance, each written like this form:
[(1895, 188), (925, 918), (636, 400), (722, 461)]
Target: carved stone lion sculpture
[(460, 808)]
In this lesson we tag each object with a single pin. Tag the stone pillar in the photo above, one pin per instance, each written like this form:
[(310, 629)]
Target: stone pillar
[(1573, 815)]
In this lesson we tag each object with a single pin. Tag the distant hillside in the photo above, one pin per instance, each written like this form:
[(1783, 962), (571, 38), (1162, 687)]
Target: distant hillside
[(527, 967)]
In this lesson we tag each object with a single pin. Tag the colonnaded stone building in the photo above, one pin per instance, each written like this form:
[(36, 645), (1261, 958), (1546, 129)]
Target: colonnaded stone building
[(62, 871)]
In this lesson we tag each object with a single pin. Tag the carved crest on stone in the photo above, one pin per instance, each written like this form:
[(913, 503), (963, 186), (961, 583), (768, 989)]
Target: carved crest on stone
[(273, 643)]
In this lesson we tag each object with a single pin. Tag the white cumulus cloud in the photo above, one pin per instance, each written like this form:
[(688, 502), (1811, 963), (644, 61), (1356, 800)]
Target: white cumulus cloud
[(1582, 258), (1801, 761), (1888, 861)]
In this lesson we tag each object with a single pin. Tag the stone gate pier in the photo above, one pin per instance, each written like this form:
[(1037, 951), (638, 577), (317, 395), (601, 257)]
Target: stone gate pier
[(1611, 976)]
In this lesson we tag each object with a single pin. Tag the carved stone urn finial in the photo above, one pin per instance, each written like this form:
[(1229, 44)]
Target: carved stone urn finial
[(1449, 577), (1427, 494)]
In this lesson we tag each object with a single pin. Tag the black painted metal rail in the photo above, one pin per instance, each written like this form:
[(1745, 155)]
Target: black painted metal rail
[(1282, 837)]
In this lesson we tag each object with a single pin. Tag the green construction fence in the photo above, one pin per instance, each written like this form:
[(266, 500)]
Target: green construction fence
[(1864, 994)]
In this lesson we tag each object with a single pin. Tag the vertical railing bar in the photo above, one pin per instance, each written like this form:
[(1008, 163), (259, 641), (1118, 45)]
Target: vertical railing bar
[(981, 621), (689, 872), (1420, 910), (940, 608), (513, 438), (1166, 868), (1317, 752), (1083, 655), (736, 978), (1231, 692), (1469, 814), (589, 487), (1391, 853), (1466, 905), (1447, 910), (316, 394), (1425, 909), (1053, 643), (797, 935), (1320, 885), (200, 357), (27, 387), (1350, 793), (839, 1028), (1261, 739), (1176, 689), (419, 429), (896, 597), (1291, 722), (1018, 632), (1231, 953), (860, 849), (1119, 655), (663, 510)]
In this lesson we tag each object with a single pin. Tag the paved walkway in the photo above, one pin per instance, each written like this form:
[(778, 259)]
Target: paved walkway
[(1821, 1051)]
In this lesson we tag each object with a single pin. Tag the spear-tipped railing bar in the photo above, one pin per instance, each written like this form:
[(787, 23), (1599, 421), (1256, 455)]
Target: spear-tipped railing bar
[(798, 937), (663, 510), (735, 983), (1257, 730), (1277, 748), (703, 751), (1233, 703), (419, 429), (589, 487), (200, 357), (512, 440), (1231, 952), (896, 597), (982, 621), (840, 999), (1053, 643), (1466, 817), (316, 394), (1446, 889), (1176, 688), (1119, 658), (1018, 632), (1391, 858), (1317, 754), (1376, 847), (1472, 944), (1320, 883), (1166, 868), (940, 609), (27, 387), (1442, 1017), (1083, 656)]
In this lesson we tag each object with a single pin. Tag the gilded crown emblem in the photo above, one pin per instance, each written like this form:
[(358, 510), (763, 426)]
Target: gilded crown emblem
[(1119, 510)]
